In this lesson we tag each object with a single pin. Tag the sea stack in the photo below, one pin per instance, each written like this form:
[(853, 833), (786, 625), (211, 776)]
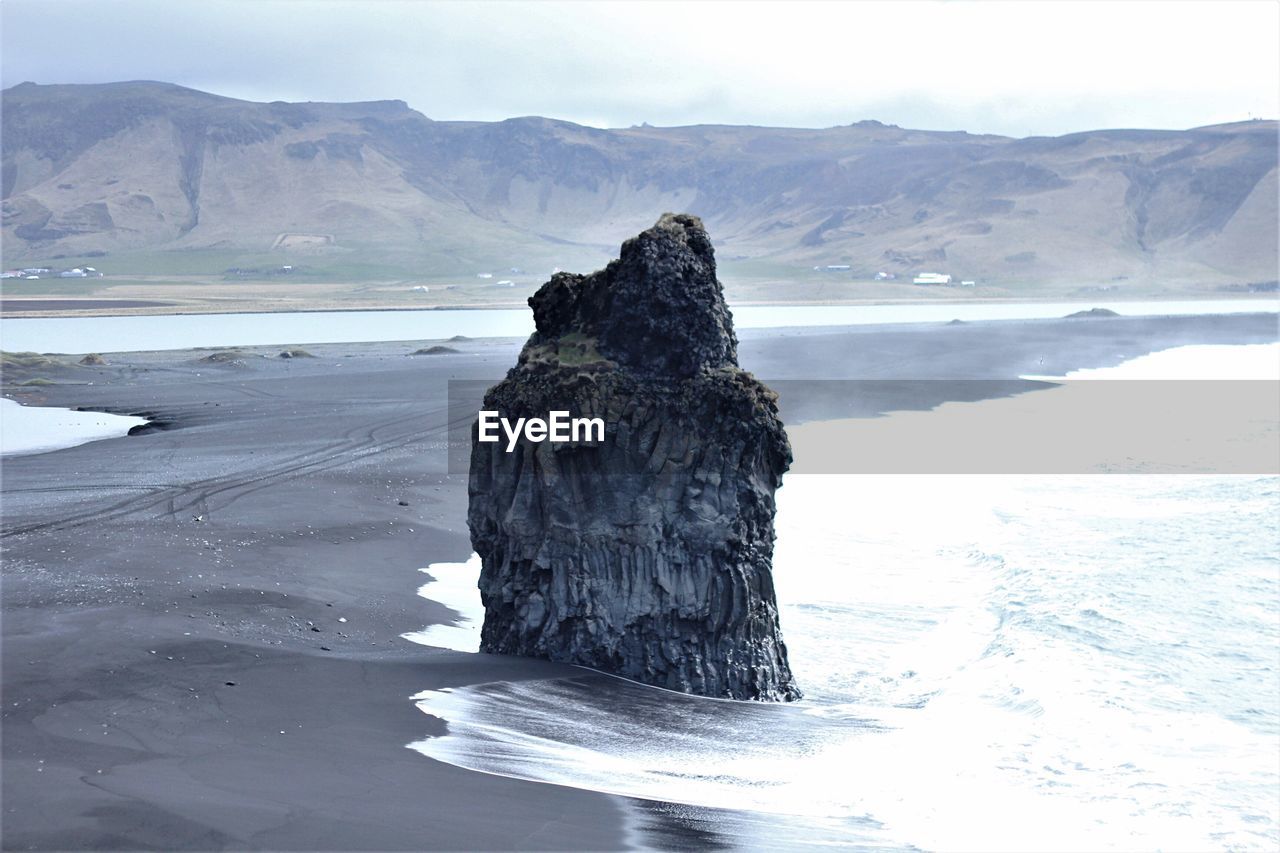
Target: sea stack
[(647, 554)]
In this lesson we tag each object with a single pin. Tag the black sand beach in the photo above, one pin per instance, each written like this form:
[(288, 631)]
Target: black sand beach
[(201, 622)]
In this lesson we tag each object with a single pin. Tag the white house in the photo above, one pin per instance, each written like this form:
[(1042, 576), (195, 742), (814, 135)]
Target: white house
[(932, 278)]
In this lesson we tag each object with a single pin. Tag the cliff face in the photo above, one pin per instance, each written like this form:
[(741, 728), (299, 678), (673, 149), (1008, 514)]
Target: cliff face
[(152, 167), (649, 554)]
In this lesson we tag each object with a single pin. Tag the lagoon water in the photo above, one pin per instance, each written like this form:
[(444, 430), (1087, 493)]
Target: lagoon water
[(166, 332), (996, 663)]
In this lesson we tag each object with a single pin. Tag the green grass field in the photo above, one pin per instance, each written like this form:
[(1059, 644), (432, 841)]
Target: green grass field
[(369, 277)]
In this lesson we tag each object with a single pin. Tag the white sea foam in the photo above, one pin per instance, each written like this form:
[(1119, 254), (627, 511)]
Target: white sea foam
[(1197, 361), (990, 662), (454, 585), (38, 429)]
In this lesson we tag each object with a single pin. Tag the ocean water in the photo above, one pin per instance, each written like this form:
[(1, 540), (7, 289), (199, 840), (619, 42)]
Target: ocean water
[(990, 662)]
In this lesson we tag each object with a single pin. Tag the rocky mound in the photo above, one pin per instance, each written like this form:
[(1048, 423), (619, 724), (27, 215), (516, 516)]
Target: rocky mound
[(1092, 312), (647, 554)]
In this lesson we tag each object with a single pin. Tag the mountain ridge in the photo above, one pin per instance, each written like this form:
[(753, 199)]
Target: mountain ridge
[(152, 166)]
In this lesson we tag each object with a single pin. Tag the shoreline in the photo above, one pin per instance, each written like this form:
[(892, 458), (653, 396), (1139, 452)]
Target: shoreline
[(168, 590), (235, 331), (142, 574)]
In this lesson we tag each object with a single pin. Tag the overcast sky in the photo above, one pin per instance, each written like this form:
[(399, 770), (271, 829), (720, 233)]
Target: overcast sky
[(996, 67)]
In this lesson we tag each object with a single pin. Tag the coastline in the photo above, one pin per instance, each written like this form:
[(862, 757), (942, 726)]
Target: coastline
[(143, 574), (176, 332), (163, 685)]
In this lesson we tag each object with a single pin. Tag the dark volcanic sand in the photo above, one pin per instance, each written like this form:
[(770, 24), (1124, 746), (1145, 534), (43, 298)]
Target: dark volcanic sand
[(142, 574), (15, 305)]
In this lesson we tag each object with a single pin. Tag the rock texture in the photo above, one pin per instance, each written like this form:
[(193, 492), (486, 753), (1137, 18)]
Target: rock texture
[(649, 554)]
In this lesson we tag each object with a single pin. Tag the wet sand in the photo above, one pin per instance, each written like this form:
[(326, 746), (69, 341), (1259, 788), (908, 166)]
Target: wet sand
[(162, 682)]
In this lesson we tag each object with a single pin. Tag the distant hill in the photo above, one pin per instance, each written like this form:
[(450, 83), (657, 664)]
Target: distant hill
[(125, 167)]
